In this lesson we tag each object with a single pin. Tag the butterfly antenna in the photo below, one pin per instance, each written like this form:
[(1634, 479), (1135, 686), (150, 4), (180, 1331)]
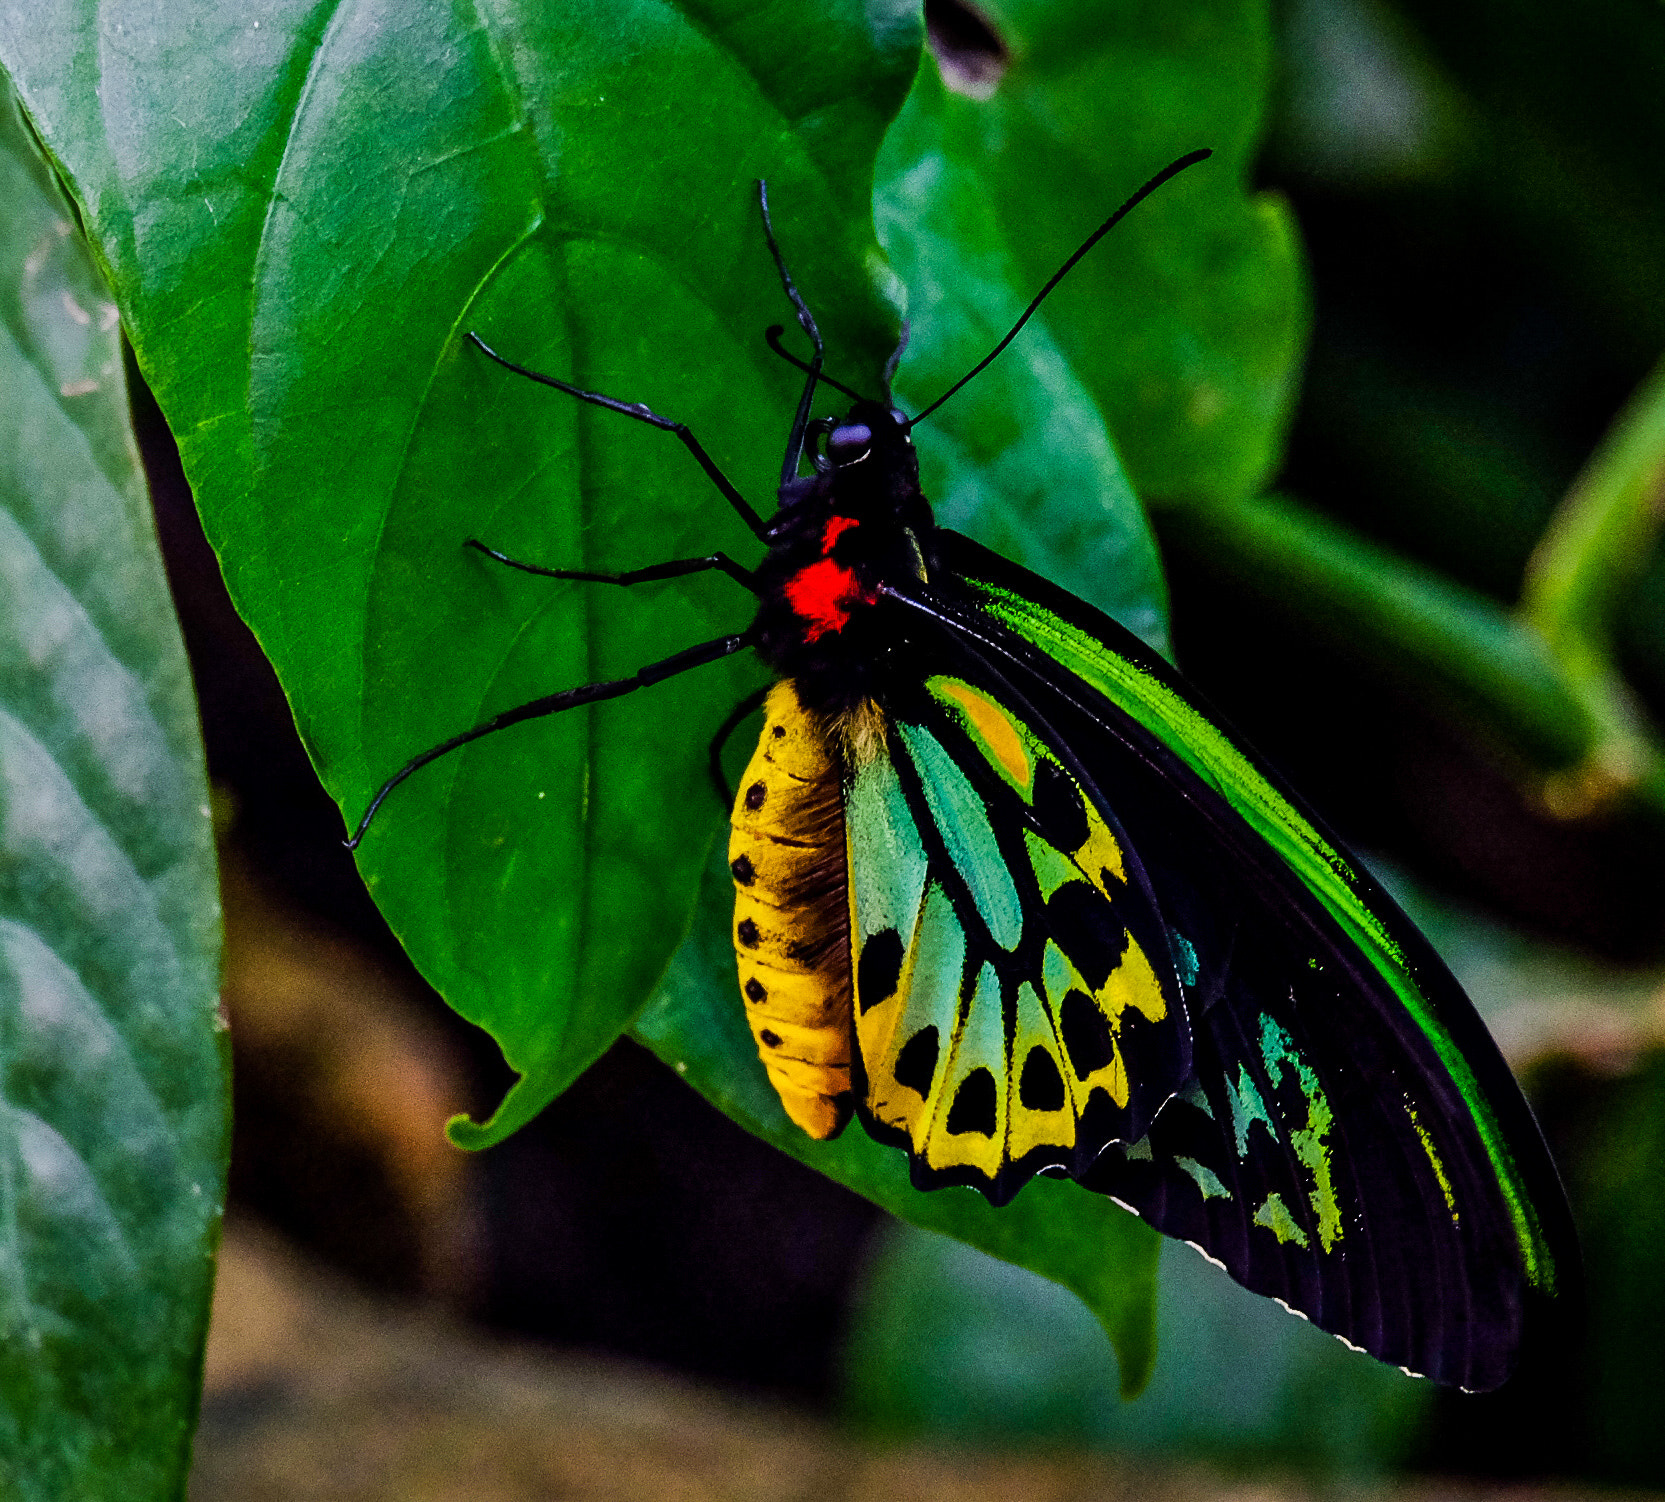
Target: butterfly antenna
[(1173, 169), (771, 337), (896, 357), (806, 321)]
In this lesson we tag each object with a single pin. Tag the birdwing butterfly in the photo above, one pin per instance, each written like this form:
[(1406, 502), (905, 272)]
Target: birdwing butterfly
[(1007, 890)]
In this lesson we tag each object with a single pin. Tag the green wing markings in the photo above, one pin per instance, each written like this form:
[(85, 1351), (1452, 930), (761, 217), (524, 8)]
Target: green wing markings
[(963, 824), (1433, 1160), (1246, 1109), (1051, 866), (1185, 959), (1206, 1179), (1202, 745), (887, 861), (979, 1042), (1211, 754), (1311, 1142), (1275, 1216), (1193, 1095)]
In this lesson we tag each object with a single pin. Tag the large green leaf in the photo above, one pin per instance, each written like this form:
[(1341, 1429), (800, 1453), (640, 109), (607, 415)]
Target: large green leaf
[(300, 243), (1188, 322), (113, 1101), (303, 210)]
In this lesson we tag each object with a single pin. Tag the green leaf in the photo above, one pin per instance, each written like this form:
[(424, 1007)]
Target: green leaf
[(945, 1345), (696, 1024), (1187, 323), (303, 211), (300, 243), (113, 1099), (1020, 458)]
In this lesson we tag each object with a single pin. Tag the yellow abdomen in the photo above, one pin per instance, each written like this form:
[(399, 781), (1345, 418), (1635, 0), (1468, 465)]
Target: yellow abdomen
[(792, 915)]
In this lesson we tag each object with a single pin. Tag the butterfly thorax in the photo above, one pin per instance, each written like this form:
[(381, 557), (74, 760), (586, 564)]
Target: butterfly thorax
[(839, 534)]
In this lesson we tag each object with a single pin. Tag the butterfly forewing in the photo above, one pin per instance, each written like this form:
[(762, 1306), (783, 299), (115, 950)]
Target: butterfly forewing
[(1350, 1141)]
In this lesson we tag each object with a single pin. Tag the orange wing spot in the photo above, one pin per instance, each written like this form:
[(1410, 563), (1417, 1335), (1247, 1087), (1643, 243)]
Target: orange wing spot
[(996, 728)]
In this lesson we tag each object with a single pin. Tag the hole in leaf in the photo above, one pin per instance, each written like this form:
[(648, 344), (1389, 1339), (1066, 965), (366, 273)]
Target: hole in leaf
[(966, 46)]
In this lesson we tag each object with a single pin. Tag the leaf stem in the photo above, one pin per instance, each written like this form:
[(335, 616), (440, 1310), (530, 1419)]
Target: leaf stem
[(1594, 547), (1400, 618)]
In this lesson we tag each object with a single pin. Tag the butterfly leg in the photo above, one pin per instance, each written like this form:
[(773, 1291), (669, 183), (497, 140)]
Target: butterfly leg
[(677, 568), (806, 321), (570, 698), (643, 414)]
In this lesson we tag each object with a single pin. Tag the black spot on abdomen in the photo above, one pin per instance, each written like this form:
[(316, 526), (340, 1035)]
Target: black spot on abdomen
[(916, 1064), (769, 1039), (974, 1105), (754, 990), (746, 932), (1041, 1087), (1086, 1033), (1087, 930), (755, 795), (742, 870), (879, 968)]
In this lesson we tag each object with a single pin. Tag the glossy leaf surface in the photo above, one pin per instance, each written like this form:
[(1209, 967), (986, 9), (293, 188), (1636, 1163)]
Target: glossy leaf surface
[(1187, 323), (113, 1099)]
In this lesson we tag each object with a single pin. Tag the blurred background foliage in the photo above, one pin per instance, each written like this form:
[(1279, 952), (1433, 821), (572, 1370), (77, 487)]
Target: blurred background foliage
[(1446, 623)]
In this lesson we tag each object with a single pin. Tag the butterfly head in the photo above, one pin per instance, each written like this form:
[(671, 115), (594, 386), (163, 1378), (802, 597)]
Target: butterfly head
[(870, 432)]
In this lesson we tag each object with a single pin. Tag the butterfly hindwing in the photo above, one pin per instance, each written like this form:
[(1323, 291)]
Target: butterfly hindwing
[(1349, 1139), (1016, 1004), (1324, 1170)]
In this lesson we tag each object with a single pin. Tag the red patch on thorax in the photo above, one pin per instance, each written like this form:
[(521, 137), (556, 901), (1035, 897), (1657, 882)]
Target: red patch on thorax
[(823, 592), (836, 527)]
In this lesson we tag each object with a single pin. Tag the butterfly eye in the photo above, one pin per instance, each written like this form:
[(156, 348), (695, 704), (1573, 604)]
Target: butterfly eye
[(849, 443), (814, 433)]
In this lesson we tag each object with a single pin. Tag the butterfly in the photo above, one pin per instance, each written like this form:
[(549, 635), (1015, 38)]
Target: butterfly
[(1010, 893)]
